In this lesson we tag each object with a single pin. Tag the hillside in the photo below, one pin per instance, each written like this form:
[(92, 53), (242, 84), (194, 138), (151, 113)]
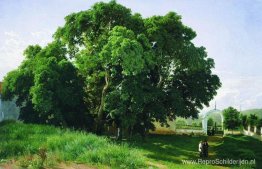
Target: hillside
[(35, 146), (257, 112)]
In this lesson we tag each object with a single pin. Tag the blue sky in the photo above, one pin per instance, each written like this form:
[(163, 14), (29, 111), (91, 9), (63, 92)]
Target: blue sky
[(230, 31)]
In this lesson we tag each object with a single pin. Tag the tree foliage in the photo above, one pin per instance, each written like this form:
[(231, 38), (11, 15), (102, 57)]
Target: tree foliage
[(210, 122), (244, 120), (252, 120), (259, 124), (47, 87), (231, 118), (135, 71)]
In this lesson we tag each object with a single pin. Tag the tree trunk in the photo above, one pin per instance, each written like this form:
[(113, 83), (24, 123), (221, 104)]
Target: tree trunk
[(130, 132), (143, 133), (160, 82), (100, 114), (119, 133)]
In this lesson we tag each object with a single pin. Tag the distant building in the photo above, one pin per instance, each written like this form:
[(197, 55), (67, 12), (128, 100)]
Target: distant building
[(0, 88), (8, 109), (1, 112)]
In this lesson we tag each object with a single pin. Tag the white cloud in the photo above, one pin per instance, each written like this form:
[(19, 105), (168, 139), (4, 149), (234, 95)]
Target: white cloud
[(14, 43), (41, 37), (11, 34), (10, 52), (37, 34), (236, 91)]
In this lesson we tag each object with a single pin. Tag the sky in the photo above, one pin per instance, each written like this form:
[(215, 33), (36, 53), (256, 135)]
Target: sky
[(230, 30)]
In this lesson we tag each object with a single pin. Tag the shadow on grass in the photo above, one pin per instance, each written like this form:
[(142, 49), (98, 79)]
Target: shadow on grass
[(240, 147), (169, 148), (172, 149)]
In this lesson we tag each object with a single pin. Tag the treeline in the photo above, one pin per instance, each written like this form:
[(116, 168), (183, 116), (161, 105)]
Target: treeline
[(234, 119), (107, 66), (252, 121)]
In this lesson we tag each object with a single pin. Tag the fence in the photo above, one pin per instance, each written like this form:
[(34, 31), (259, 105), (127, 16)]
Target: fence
[(255, 133)]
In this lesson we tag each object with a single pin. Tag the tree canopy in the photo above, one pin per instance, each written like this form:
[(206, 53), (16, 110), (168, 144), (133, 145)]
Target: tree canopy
[(116, 66), (231, 118), (47, 87), (252, 120)]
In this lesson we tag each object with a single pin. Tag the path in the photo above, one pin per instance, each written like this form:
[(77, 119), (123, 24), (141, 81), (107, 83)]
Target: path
[(213, 141), (12, 165)]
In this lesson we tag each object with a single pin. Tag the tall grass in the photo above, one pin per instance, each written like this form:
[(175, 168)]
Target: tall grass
[(25, 141)]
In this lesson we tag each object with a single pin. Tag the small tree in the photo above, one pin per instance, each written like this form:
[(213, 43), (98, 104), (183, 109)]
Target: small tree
[(244, 120), (252, 120), (210, 122), (194, 124), (259, 124), (180, 123), (231, 118)]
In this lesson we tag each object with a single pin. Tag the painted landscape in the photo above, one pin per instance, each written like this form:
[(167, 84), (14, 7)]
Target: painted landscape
[(130, 85)]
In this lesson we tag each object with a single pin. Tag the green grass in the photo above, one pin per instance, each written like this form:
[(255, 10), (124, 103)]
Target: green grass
[(240, 147), (168, 151), (25, 142)]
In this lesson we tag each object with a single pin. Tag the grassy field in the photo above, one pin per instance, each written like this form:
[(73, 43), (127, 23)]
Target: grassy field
[(168, 151), (34, 146), (240, 147)]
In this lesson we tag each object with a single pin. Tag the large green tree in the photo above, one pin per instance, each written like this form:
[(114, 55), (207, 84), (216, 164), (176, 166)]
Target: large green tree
[(135, 71), (138, 70)]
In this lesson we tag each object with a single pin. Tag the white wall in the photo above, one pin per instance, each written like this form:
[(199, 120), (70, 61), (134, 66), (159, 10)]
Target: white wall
[(8, 110)]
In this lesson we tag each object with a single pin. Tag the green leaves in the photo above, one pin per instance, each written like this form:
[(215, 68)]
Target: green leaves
[(45, 81), (128, 69), (231, 118), (47, 87), (115, 46), (31, 51), (123, 50)]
